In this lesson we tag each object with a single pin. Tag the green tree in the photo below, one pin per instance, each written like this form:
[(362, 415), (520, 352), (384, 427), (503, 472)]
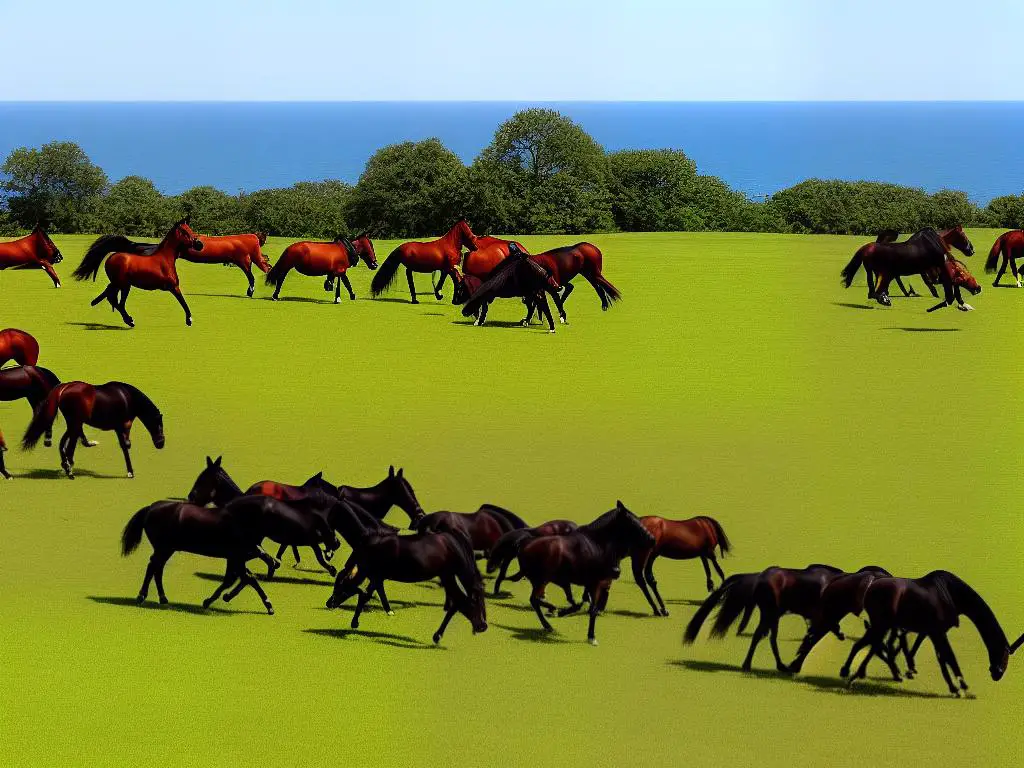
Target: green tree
[(653, 190), (307, 209), (212, 212), (134, 206), (410, 189), (950, 208), (1006, 211), (56, 185)]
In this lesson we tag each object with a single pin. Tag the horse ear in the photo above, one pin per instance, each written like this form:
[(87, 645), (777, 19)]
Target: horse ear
[(319, 475), (209, 462), (391, 471), (400, 471), (619, 504), (217, 462)]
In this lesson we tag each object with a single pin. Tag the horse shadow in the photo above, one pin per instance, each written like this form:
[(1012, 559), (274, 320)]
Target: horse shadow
[(833, 685), (848, 305), (910, 329), (533, 634), (277, 579), (393, 300), (299, 299), (98, 326), (221, 295), (491, 323), (153, 605), (685, 601), (382, 638), (58, 474)]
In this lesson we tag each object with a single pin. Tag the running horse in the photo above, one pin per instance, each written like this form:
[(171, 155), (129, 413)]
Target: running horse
[(113, 406), (127, 270), (31, 383), (506, 548), (1009, 245), (489, 253), (443, 255), (330, 260), (18, 346), (242, 250), (35, 251), (955, 237)]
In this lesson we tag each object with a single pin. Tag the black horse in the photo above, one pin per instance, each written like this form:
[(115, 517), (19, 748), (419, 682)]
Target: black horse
[(3, 467), (482, 528), (506, 549), (518, 276), (32, 383)]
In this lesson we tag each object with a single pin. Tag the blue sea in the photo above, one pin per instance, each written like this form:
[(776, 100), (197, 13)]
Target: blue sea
[(757, 148)]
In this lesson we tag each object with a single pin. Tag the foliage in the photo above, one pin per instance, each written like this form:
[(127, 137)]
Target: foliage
[(211, 211), (308, 209), (1006, 211), (134, 206)]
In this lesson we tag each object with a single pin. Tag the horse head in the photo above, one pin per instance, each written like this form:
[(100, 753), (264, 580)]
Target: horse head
[(957, 238), (47, 249), (183, 236), (960, 275), (210, 484), (403, 496), (364, 248)]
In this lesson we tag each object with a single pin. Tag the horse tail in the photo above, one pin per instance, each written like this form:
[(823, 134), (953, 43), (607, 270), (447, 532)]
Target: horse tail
[(385, 276), (993, 255), (506, 548), (93, 259), (709, 604), (510, 517), (131, 536), (276, 273), (851, 269), (724, 545), (610, 291), (43, 418)]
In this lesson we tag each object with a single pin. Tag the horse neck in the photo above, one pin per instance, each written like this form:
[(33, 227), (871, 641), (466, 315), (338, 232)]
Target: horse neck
[(606, 538), (373, 499), (144, 408), (453, 240), (970, 604), (38, 240), (352, 529), (228, 485)]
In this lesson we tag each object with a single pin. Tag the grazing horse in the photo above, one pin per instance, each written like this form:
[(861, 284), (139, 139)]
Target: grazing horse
[(775, 592), (33, 251), (507, 547), (33, 383), (589, 556), (3, 449), (959, 276), (482, 528), (931, 605), (443, 254), (331, 260), (127, 270), (518, 276), (112, 406), (1010, 245), (678, 540), (382, 555), (925, 252), (580, 259), (242, 250), (215, 485), (18, 346)]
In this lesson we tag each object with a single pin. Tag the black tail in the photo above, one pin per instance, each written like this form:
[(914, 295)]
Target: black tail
[(851, 269), (42, 419), (610, 291), (511, 517), (507, 547), (131, 536), (93, 259), (739, 600), (693, 628), (993, 255), (277, 272), (385, 276), (724, 545)]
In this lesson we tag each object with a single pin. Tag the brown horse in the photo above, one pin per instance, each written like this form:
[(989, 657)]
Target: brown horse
[(580, 259), (482, 528), (1010, 245), (241, 250), (18, 346), (442, 255), (35, 251), (959, 276), (954, 237), (127, 270), (31, 383), (331, 260), (489, 253), (507, 547), (3, 467), (677, 540), (113, 406)]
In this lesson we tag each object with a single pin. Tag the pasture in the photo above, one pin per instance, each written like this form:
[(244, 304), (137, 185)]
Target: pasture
[(735, 379)]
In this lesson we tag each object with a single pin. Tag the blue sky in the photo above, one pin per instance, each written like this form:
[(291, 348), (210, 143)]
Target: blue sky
[(527, 50)]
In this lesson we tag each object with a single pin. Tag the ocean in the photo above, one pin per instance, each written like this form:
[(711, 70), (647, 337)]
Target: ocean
[(758, 148)]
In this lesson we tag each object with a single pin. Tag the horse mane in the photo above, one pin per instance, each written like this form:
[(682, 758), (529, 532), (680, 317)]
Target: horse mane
[(146, 408), (222, 474), (513, 519), (824, 566), (601, 522)]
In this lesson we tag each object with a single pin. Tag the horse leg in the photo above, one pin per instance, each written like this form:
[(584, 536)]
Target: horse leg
[(272, 563), (246, 267), (1013, 268), (596, 597), (546, 310), (931, 285), (870, 276), (277, 288), (810, 640), (537, 601), (230, 576), (707, 573), (952, 662), (641, 580), (3, 469), (714, 562), (481, 317), (906, 293), (126, 444), (48, 267), (248, 578), (940, 654), (296, 555), (323, 563), (364, 598), (773, 639), (437, 288), (128, 320), (158, 576), (145, 582), (501, 577), (911, 655), (337, 288), (348, 286), (62, 449), (72, 438), (184, 305), (759, 633), (653, 582), (33, 403), (281, 552), (844, 671), (573, 606), (882, 289), (412, 285)]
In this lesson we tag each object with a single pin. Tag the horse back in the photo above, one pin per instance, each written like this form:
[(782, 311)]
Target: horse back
[(275, 490), (16, 252)]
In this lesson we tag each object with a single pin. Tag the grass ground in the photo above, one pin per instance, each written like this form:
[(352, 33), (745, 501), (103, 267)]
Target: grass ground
[(736, 379)]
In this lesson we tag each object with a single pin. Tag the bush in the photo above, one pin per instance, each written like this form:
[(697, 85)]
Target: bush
[(211, 211), (308, 209), (134, 206)]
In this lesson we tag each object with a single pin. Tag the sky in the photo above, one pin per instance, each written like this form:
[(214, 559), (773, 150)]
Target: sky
[(529, 50)]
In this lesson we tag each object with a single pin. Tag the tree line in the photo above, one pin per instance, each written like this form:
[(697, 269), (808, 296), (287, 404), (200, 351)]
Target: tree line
[(541, 174)]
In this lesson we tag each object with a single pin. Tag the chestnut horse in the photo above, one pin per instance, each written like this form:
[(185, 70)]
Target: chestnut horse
[(678, 540), (581, 259), (36, 250), (443, 255), (127, 270), (241, 250), (18, 346), (113, 406), (489, 253), (1011, 246), (331, 260)]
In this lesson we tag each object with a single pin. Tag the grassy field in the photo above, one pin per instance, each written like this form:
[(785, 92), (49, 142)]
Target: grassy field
[(736, 379)]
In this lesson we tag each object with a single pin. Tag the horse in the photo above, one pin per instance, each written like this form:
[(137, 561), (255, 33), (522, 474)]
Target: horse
[(393, 491), (3, 467), (364, 249), (34, 251), (1010, 245), (443, 254), (242, 250), (482, 528), (127, 270), (924, 252), (33, 383), (678, 540), (959, 276), (774, 592), (589, 556), (489, 253), (581, 259), (233, 533), (506, 548), (382, 555), (214, 485), (931, 606), (112, 406), (954, 237), (518, 276), (18, 346), (331, 260)]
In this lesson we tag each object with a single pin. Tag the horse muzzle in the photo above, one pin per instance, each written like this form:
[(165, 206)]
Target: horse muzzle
[(159, 443), (197, 245), (974, 291), (57, 258)]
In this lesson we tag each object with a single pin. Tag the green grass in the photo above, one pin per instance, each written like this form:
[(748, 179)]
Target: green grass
[(736, 379)]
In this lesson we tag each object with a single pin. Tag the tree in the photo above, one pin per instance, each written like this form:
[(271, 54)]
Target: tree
[(950, 208), (56, 185), (410, 189), (542, 173), (307, 209), (1006, 211), (652, 190), (134, 206), (212, 212)]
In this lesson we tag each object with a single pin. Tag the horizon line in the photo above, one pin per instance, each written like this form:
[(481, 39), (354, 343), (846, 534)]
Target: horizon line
[(510, 101)]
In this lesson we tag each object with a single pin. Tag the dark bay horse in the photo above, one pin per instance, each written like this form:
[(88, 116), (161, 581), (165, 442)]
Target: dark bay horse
[(393, 491), (32, 383), (329, 260), (127, 270), (3, 467), (35, 251), (518, 276), (589, 556), (678, 540), (1009, 245), (489, 253), (482, 528), (382, 555), (507, 547), (955, 237), (931, 606), (443, 255), (580, 259), (19, 346), (112, 406), (774, 592), (241, 250)]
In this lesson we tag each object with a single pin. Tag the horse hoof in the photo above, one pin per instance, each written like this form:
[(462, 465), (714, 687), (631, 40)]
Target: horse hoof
[(415, 301), (337, 301), (437, 638), (188, 322), (592, 641), (130, 324), (270, 609), (332, 571), (140, 599), (163, 600), (391, 613), (131, 475), (207, 604), (552, 330), (354, 624), (227, 598), (844, 672), (563, 321), (664, 612)]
